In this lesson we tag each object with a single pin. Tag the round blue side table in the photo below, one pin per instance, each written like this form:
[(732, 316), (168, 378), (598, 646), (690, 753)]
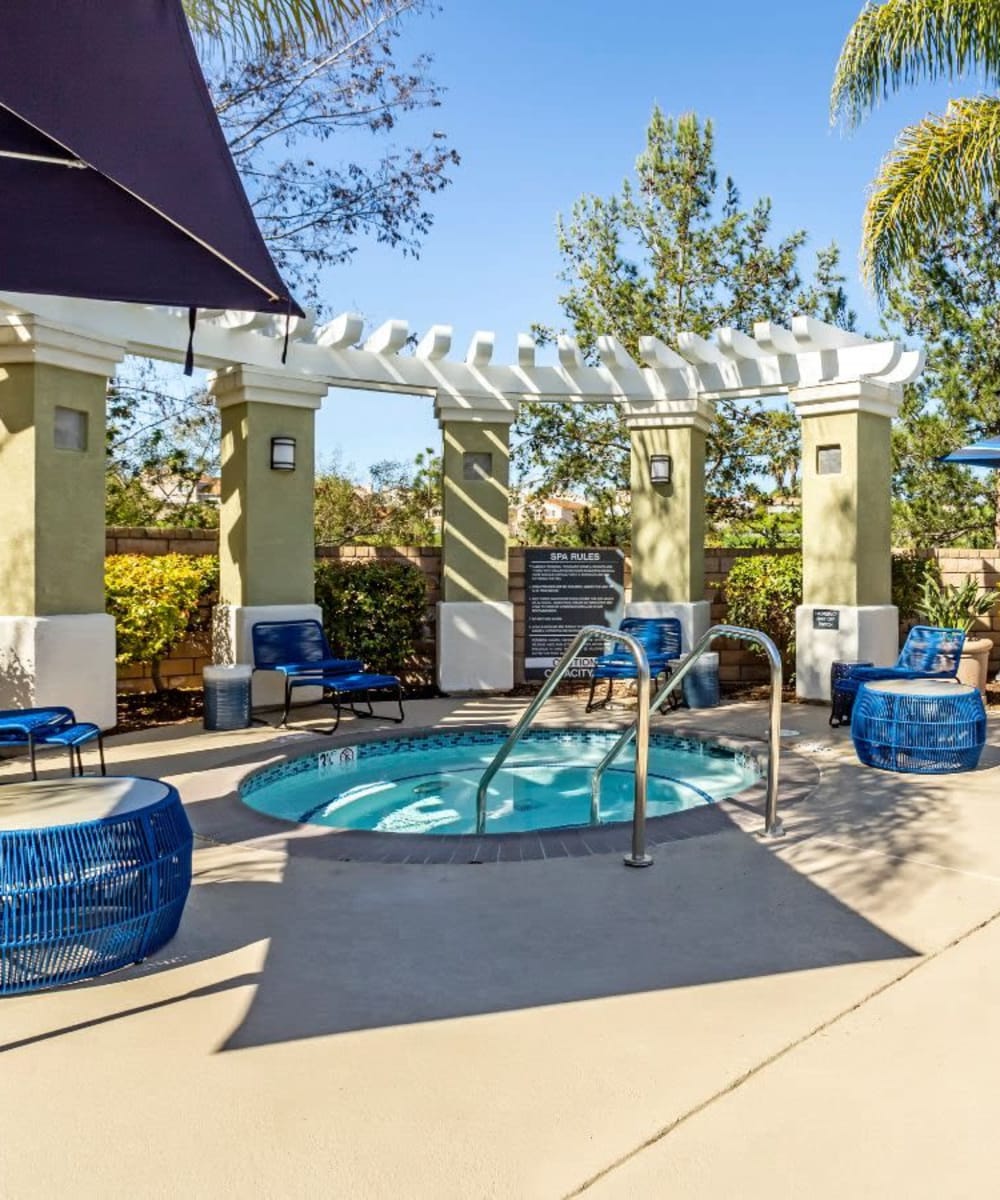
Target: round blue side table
[(919, 726), (94, 873)]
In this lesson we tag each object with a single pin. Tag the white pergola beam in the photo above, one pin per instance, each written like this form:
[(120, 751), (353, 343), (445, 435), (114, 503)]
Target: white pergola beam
[(526, 350), (773, 361), (736, 345), (775, 339), (907, 370), (570, 357), (480, 352), (389, 338), (435, 343), (614, 355), (818, 335), (341, 332)]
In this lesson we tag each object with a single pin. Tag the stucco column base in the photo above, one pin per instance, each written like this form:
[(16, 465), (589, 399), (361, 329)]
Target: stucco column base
[(67, 659), (866, 634), (232, 642), (695, 616), (475, 646)]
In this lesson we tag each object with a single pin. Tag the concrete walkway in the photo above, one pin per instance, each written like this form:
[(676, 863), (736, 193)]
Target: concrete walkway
[(816, 1016)]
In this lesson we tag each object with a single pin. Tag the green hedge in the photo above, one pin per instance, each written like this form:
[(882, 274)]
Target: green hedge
[(763, 592), (154, 601), (372, 610)]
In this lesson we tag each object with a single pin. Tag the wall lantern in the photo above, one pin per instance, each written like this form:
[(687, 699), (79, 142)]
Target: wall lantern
[(661, 468), (282, 454)]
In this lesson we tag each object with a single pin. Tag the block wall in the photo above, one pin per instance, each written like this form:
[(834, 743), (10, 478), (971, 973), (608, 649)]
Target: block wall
[(737, 664)]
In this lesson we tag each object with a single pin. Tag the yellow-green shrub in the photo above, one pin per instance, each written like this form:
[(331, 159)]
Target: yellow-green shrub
[(154, 601)]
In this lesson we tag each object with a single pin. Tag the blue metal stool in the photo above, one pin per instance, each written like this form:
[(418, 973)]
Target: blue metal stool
[(73, 737), (94, 874), (919, 726), (843, 690)]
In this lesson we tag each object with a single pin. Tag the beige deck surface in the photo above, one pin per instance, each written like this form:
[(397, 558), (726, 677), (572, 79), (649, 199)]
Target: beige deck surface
[(817, 1016)]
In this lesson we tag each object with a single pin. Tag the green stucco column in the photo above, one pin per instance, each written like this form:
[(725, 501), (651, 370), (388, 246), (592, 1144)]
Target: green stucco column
[(847, 610), (475, 510), (668, 519), (266, 538), (475, 617), (56, 641)]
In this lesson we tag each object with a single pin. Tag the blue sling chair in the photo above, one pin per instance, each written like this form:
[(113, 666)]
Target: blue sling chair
[(928, 653), (299, 651), (660, 637)]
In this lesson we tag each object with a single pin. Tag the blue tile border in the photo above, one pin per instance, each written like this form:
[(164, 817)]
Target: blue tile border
[(235, 821), (487, 735)]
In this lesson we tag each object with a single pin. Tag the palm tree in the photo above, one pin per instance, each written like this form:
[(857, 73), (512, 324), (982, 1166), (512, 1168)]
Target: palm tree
[(945, 163), (251, 26)]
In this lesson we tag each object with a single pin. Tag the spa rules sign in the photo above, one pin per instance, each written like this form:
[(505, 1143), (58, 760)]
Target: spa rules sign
[(567, 589)]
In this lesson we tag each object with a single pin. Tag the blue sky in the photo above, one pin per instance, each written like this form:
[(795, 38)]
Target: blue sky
[(546, 101)]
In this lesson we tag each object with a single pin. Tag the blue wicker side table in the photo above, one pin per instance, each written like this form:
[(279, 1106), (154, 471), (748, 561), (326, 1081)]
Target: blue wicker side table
[(94, 873), (919, 726)]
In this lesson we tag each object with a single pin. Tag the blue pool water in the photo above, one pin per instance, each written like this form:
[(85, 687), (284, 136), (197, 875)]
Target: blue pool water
[(426, 783)]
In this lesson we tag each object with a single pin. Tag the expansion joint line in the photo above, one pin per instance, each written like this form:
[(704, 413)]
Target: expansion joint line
[(740, 1080)]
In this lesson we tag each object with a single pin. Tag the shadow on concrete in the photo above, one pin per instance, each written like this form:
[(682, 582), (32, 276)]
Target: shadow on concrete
[(210, 989), (355, 946), (890, 818), (362, 946)]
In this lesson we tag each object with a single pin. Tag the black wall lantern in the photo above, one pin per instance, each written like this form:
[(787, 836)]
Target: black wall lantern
[(661, 468), (282, 454)]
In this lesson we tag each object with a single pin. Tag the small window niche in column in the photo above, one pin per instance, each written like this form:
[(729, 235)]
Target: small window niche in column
[(70, 429), (477, 466), (828, 460)]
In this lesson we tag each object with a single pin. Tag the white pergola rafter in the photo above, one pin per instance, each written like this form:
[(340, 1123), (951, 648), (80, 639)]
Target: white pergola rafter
[(733, 364)]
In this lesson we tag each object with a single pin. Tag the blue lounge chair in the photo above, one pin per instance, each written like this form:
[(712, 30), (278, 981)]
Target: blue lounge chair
[(53, 726), (300, 652), (660, 638), (928, 653)]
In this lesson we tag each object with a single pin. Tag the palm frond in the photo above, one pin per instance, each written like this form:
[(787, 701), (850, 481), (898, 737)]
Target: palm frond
[(251, 26), (936, 170), (901, 42)]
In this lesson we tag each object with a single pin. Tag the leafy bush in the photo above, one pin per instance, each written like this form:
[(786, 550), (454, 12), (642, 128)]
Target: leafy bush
[(154, 601), (372, 610), (763, 593), (910, 572)]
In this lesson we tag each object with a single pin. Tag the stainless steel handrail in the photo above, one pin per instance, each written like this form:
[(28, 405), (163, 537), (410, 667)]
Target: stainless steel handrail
[(772, 823), (640, 728)]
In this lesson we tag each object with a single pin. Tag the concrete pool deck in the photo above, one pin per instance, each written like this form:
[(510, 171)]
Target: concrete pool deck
[(817, 1015)]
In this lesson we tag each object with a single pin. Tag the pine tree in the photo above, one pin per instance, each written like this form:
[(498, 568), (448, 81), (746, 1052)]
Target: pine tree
[(674, 251), (949, 298)]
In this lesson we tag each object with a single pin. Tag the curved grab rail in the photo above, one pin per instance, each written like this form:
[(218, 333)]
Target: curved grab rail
[(772, 823), (640, 729)]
